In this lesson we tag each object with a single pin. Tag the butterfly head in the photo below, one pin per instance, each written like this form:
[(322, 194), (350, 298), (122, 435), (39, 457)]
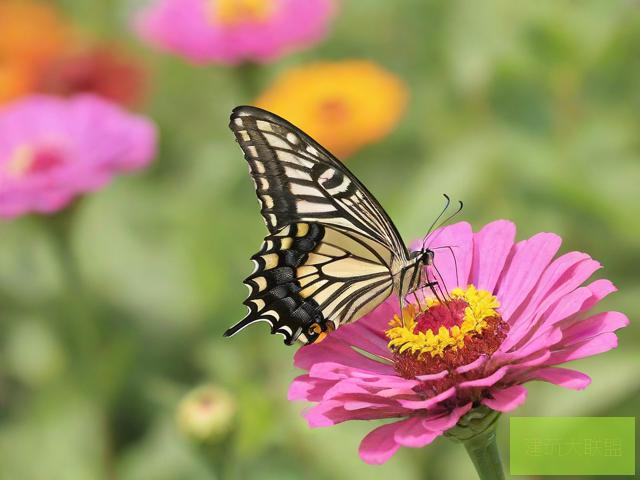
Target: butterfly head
[(426, 257), (423, 257)]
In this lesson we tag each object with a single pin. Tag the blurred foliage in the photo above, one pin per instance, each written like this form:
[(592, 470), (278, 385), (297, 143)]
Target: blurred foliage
[(525, 110)]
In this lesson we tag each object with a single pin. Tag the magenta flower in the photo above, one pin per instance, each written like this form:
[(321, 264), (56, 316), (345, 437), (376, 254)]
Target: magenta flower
[(234, 31), (52, 150), (513, 313)]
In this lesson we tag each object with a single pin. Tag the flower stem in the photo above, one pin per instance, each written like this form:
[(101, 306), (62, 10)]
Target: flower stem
[(484, 454), (77, 312), (248, 80), (477, 432)]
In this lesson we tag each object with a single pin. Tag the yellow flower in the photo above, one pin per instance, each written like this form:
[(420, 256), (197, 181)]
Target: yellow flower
[(32, 32), (343, 105)]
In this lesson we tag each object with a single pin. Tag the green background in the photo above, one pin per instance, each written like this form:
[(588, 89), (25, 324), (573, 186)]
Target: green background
[(572, 445), (525, 110)]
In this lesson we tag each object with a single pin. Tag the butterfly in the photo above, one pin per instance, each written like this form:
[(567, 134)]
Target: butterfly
[(332, 253)]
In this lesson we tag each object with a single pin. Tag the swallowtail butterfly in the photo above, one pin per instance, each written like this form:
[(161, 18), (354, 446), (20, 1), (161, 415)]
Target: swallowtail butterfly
[(332, 253)]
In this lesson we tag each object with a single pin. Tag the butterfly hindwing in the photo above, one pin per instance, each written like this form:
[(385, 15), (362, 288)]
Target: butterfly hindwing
[(311, 278)]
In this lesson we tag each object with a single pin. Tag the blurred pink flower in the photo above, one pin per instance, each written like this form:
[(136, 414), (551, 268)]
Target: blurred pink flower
[(525, 313), (234, 31), (52, 150)]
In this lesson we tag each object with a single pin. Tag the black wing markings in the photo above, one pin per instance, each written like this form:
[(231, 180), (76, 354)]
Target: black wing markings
[(277, 285)]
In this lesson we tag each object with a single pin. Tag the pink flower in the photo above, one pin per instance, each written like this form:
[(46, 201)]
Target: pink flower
[(52, 150), (516, 315), (234, 31)]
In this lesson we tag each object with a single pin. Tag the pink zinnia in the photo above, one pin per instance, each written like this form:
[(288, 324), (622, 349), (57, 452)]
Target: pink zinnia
[(53, 149), (234, 31), (512, 314)]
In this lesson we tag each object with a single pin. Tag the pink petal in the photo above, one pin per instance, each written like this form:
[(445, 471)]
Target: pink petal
[(529, 259), (507, 399), (568, 306), (334, 350), (380, 444), (533, 360), (356, 401), (337, 372), (564, 275), (362, 336), (347, 389), (423, 430), (593, 346), (563, 377), (459, 237), (478, 362), (413, 433), (491, 246), (307, 388), (486, 381), (544, 341), (429, 402), (433, 376), (445, 422), (332, 412), (378, 320), (599, 289), (595, 325)]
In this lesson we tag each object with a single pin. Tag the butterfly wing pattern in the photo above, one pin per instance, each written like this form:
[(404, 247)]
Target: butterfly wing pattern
[(332, 251)]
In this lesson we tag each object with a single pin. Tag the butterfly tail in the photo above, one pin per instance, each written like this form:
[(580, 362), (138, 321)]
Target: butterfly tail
[(245, 322)]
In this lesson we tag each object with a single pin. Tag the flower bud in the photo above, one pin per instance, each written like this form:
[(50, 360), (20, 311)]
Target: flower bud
[(206, 413)]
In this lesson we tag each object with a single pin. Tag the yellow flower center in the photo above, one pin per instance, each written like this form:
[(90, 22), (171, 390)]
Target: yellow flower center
[(234, 12), (441, 327)]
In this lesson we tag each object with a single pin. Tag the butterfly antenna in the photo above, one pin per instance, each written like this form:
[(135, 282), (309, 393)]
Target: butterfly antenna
[(446, 220), (446, 206), (455, 261)]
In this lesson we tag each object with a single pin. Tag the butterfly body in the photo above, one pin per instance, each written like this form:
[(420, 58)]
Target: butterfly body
[(332, 253)]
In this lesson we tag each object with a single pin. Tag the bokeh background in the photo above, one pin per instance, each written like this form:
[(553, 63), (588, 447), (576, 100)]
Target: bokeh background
[(524, 110)]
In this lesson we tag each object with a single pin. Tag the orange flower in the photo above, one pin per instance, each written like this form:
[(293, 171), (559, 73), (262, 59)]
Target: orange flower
[(31, 35), (32, 32), (15, 80), (344, 105)]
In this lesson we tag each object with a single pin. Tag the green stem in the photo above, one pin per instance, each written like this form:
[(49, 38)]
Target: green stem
[(477, 432), (484, 454), (248, 80), (219, 459), (77, 311)]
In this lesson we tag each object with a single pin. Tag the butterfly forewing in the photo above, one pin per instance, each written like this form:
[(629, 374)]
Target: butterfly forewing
[(296, 179), (330, 250)]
